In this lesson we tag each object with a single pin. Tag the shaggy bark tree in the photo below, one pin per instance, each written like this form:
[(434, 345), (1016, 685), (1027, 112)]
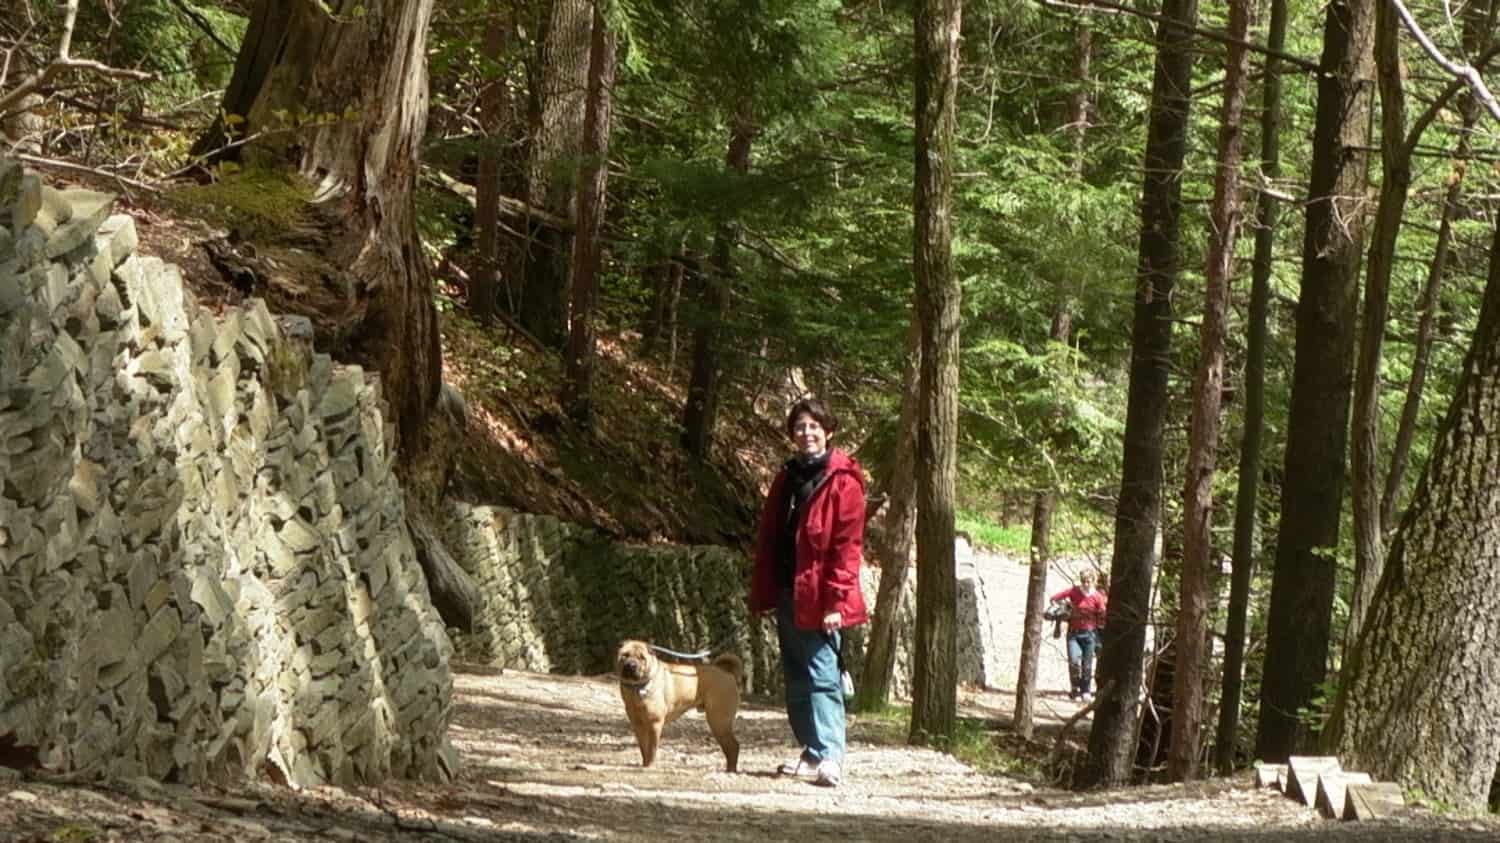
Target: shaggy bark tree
[(1420, 704), (1478, 24), (364, 61), (1397, 147), (555, 144), (1203, 437), (593, 177), (1112, 739), (1247, 485), (935, 679), (1300, 614), (501, 172)]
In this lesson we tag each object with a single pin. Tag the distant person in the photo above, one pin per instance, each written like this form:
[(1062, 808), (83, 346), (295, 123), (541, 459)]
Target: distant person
[(807, 560), (1089, 607)]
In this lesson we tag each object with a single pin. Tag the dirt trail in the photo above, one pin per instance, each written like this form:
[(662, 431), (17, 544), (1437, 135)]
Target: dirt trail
[(550, 758)]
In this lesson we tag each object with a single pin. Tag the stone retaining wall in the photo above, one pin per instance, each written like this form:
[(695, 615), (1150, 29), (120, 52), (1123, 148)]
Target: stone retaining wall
[(559, 597), (204, 567)]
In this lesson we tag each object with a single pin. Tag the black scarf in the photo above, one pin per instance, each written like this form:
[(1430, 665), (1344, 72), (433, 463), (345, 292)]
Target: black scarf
[(803, 477)]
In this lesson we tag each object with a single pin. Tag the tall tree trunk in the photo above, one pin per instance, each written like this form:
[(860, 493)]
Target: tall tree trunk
[(659, 332), (1478, 23), (702, 409), (1248, 483), (593, 178), (1395, 161), (1420, 703), (1045, 502), (894, 547), (555, 145), (497, 119), (1138, 512), (365, 59), (1203, 438), (935, 679), (1300, 614), (1042, 507)]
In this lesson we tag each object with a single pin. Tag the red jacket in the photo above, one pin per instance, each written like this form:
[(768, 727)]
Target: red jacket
[(1088, 610), (830, 546)]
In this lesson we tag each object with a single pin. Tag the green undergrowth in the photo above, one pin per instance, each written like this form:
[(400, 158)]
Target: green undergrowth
[(1073, 535), (977, 743), (258, 203)]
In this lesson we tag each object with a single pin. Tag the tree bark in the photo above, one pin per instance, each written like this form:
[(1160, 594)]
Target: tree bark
[(702, 409), (1203, 438), (895, 544), (659, 333), (1395, 159), (1419, 703), (1300, 614), (1044, 504), (1478, 23), (1248, 484), (935, 673), (497, 116), (555, 144), (1042, 508), (370, 67), (593, 178), (1138, 512)]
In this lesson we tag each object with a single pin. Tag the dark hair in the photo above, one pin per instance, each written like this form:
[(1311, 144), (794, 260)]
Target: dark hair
[(815, 408)]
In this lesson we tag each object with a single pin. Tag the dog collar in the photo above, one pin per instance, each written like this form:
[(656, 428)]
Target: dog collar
[(641, 686)]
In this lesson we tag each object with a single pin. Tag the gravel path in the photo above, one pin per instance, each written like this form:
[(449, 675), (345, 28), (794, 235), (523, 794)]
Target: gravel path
[(551, 758)]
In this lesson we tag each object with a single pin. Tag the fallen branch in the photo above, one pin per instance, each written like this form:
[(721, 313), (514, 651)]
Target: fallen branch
[(1465, 72), (36, 81), (80, 168)]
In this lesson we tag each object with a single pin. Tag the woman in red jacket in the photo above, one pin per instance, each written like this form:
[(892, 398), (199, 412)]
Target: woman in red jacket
[(1089, 606), (807, 562)]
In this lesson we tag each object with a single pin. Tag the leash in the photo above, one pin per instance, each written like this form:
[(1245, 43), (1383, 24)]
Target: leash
[(700, 656)]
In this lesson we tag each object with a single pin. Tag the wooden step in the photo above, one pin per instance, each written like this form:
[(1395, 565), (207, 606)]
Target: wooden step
[(1373, 801), (1302, 780), (1331, 787), (1269, 775)]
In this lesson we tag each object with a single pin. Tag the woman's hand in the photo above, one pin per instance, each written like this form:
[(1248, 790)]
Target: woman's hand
[(832, 622)]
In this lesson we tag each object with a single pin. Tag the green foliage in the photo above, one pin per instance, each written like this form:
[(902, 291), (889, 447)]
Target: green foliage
[(1314, 715), (256, 202), (183, 43), (1012, 539), (974, 742)]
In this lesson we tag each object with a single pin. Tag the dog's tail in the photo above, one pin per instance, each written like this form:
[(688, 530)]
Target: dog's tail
[(731, 664)]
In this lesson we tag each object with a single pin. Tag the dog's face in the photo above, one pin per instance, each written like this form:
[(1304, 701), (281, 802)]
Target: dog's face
[(634, 661)]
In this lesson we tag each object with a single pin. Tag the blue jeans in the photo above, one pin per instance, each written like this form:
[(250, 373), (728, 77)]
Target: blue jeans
[(814, 699), (1082, 646)]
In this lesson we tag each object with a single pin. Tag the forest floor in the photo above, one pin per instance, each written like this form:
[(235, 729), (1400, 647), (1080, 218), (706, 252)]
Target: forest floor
[(551, 758)]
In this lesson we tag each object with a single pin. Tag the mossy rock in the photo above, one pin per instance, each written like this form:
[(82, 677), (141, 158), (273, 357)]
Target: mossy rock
[(258, 203)]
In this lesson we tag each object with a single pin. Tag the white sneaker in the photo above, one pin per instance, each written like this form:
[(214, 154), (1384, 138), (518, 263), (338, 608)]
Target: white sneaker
[(829, 774), (801, 767)]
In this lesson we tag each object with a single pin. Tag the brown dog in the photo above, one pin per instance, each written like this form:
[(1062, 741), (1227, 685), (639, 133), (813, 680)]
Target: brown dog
[(656, 693)]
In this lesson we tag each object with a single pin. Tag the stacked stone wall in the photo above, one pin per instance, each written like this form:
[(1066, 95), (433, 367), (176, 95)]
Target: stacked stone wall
[(205, 572), (559, 597)]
